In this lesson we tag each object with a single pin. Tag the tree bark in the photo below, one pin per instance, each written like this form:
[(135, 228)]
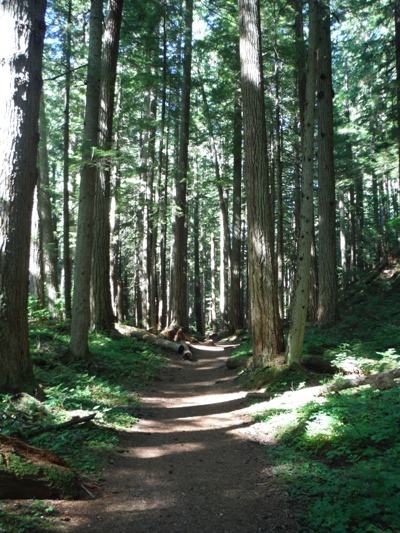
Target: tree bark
[(301, 291), (49, 244), (198, 297), (103, 315), (79, 346), (36, 267), (22, 29), (397, 48), (236, 301), (163, 178), (225, 248), (66, 214), (266, 324), (213, 303), (179, 291), (327, 273)]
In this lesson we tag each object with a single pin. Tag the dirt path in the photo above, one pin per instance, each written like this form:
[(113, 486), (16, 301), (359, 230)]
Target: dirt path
[(187, 466)]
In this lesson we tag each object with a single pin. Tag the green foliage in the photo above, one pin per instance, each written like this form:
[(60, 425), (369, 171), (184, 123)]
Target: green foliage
[(339, 455), (27, 516), (340, 458), (105, 388)]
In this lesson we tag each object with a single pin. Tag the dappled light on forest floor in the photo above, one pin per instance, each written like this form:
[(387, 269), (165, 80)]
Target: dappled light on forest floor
[(186, 466)]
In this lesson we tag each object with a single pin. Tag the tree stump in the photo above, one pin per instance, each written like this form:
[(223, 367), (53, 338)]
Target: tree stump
[(27, 472)]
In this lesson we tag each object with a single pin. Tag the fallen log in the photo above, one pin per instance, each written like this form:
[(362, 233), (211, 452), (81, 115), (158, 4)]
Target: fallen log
[(188, 353), (74, 420), (27, 472), (381, 381), (150, 337), (168, 345)]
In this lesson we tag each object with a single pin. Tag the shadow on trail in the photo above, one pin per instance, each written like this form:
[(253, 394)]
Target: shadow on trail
[(186, 467)]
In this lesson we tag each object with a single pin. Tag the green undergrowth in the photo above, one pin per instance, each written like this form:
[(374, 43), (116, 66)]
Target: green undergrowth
[(340, 458), (108, 387), (31, 516), (339, 455)]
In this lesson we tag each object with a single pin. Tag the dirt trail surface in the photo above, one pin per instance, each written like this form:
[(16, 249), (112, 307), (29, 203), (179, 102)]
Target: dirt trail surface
[(188, 465)]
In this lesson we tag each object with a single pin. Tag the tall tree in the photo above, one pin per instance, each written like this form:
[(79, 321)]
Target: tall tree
[(236, 309), (84, 241), (179, 281), (327, 272), (66, 141), (301, 289), (397, 48), (103, 316), (225, 252), (49, 246), (22, 28), (265, 320)]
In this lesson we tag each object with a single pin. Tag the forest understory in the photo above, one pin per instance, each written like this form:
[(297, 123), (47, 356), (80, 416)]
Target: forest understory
[(212, 445)]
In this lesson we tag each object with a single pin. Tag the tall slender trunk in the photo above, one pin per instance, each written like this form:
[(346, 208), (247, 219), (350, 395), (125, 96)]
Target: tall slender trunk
[(327, 274), (103, 315), (301, 291), (225, 248), (397, 48), (79, 346), (236, 301), (279, 174), (117, 285), (343, 240), (66, 214), (179, 292), (163, 180), (49, 244), (213, 303), (36, 264), (198, 296)]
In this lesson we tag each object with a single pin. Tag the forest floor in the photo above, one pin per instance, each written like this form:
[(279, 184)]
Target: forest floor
[(191, 463)]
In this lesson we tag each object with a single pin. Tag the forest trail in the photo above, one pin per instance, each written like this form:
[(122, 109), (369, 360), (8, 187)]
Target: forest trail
[(187, 466)]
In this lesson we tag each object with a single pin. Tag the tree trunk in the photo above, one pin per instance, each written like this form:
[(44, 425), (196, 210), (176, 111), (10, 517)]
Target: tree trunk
[(179, 291), (23, 30), (84, 241), (342, 240), (36, 266), (103, 315), (163, 179), (198, 297), (66, 214), (300, 75), (397, 48), (327, 273), (236, 303), (301, 291), (115, 226), (279, 172), (266, 324), (313, 294), (225, 251), (49, 244), (213, 303)]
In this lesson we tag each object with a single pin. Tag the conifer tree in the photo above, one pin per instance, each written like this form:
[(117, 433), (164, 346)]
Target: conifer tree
[(265, 321), (22, 27)]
